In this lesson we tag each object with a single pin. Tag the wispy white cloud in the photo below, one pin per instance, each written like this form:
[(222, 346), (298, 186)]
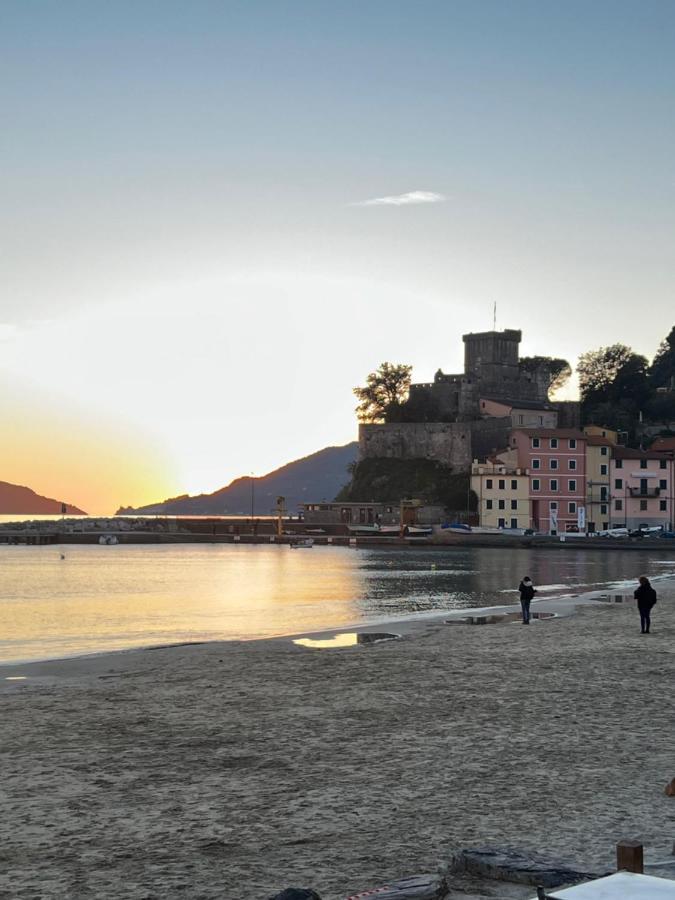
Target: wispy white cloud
[(408, 199)]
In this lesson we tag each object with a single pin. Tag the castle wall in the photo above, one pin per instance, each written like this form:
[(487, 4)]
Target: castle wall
[(448, 443)]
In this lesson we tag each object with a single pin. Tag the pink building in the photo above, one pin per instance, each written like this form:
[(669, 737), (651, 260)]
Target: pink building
[(642, 488), (556, 461)]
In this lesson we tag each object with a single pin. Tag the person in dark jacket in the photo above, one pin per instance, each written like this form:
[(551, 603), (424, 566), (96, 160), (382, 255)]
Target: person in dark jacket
[(527, 592), (646, 598)]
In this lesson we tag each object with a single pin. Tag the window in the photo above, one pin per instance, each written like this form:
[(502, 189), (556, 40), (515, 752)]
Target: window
[(663, 483), (488, 484), (643, 463), (618, 484), (603, 493), (488, 504), (572, 485), (514, 523), (572, 507), (662, 464), (643, 505), (554, 484), (571, 464), (536, 484), (536, 463), (603, 468), (535, 442), (618, 505), (554, 463), (603, 451), (603, 509), (663, 505), (514, 504), (572, 443), (553, 504), (502, 523), (554, 443), (618, 463), (514, 484), (502, 504), (502, 484), (520, 420)]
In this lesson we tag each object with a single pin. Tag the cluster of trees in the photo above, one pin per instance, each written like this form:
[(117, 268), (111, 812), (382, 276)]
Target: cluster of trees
[(619, 387)]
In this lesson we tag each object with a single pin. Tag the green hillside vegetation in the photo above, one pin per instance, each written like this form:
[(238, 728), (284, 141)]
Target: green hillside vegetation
[(390, 480)]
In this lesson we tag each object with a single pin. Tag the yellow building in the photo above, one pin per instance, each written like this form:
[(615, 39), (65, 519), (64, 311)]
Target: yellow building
[(599, 444), (503, 492)]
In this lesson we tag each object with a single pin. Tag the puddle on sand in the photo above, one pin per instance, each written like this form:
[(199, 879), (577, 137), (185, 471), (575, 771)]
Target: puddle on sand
[(15, 677), (348, 639)]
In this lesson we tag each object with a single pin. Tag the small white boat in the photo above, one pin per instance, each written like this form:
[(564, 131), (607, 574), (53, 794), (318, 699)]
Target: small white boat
[(303, 543), (108, 540)]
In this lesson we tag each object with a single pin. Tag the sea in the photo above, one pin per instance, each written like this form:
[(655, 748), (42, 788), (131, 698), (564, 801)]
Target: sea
[(62, 601)]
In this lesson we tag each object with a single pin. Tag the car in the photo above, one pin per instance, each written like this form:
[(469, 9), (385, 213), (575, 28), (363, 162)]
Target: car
[(669, 535)]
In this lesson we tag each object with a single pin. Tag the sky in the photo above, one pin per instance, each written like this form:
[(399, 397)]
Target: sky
[(218, 217)]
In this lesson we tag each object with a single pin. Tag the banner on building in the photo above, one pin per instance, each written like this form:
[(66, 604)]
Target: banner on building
[(581, 518), (554, 520)]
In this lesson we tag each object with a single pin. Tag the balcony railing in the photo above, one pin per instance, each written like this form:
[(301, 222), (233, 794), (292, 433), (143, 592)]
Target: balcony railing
[(644, 492)]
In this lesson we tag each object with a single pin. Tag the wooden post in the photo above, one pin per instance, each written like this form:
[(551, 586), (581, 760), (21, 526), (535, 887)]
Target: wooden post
[(629, 857)]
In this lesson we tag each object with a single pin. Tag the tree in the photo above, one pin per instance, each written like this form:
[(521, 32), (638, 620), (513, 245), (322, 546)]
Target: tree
[(385, 392), (556, 371), (614, 386), (597, 369), (662, 369)]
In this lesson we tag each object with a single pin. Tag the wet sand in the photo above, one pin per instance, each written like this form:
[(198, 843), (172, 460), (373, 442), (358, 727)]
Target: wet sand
[(233, 770)]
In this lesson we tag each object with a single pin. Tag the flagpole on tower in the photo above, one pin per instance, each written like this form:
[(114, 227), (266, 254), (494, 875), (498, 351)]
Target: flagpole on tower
[(494, 316)]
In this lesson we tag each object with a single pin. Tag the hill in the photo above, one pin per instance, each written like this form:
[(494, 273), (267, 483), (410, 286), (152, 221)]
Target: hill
[(18, 500), (316, 477)]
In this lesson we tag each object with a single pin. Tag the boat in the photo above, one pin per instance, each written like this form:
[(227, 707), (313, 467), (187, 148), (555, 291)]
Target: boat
[(303, 543), (108, 539)]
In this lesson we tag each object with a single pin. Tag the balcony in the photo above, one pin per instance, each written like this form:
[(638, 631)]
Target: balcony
[(643, 493)]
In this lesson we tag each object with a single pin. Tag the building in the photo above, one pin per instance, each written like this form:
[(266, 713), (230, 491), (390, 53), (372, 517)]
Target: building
[(503, 492), (598, 480), (642, 488), (460, 417), (556, 462)]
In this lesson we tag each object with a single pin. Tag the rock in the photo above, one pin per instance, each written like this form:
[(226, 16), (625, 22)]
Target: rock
[(670, 789), (507, 865), (416, 887), (296, 894)]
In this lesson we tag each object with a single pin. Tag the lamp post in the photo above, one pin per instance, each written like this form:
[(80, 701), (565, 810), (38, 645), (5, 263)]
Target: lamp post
[(252, 499)]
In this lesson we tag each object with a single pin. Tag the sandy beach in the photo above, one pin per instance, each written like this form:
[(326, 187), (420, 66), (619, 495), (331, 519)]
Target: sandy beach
[(233, 770)]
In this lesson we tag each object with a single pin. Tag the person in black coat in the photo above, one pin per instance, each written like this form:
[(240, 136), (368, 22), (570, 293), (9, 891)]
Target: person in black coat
[(527, 592), (646, 598)]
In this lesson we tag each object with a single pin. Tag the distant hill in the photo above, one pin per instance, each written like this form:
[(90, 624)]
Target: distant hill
[(312, 478), (18, 500)]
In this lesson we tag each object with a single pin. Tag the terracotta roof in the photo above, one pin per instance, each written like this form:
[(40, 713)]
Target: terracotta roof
[(634, 453), (596, 440), (663, 443)]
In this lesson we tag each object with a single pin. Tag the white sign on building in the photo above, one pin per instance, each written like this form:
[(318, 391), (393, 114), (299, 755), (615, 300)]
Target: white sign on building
[(554, 519), (581, 518)]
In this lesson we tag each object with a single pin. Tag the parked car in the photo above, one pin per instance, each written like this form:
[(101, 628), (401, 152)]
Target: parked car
[(668, 535)]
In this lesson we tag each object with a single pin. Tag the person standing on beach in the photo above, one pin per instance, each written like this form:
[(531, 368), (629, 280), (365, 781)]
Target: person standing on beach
[(646, 598), (527, 592)]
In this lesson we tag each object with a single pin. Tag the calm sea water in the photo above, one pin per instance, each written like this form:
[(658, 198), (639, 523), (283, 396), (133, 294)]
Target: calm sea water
[(111, 598)]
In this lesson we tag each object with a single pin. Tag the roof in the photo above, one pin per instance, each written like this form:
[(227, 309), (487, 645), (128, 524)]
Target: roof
[(522, 404), (634, 453), (619, 885), (663, 443), (554, 432), (596, 440)]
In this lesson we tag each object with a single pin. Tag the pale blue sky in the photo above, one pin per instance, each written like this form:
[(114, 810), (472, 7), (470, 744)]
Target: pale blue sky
[(181, 185)]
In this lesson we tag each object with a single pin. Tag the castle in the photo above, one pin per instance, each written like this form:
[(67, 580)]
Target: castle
[(476, 409)]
